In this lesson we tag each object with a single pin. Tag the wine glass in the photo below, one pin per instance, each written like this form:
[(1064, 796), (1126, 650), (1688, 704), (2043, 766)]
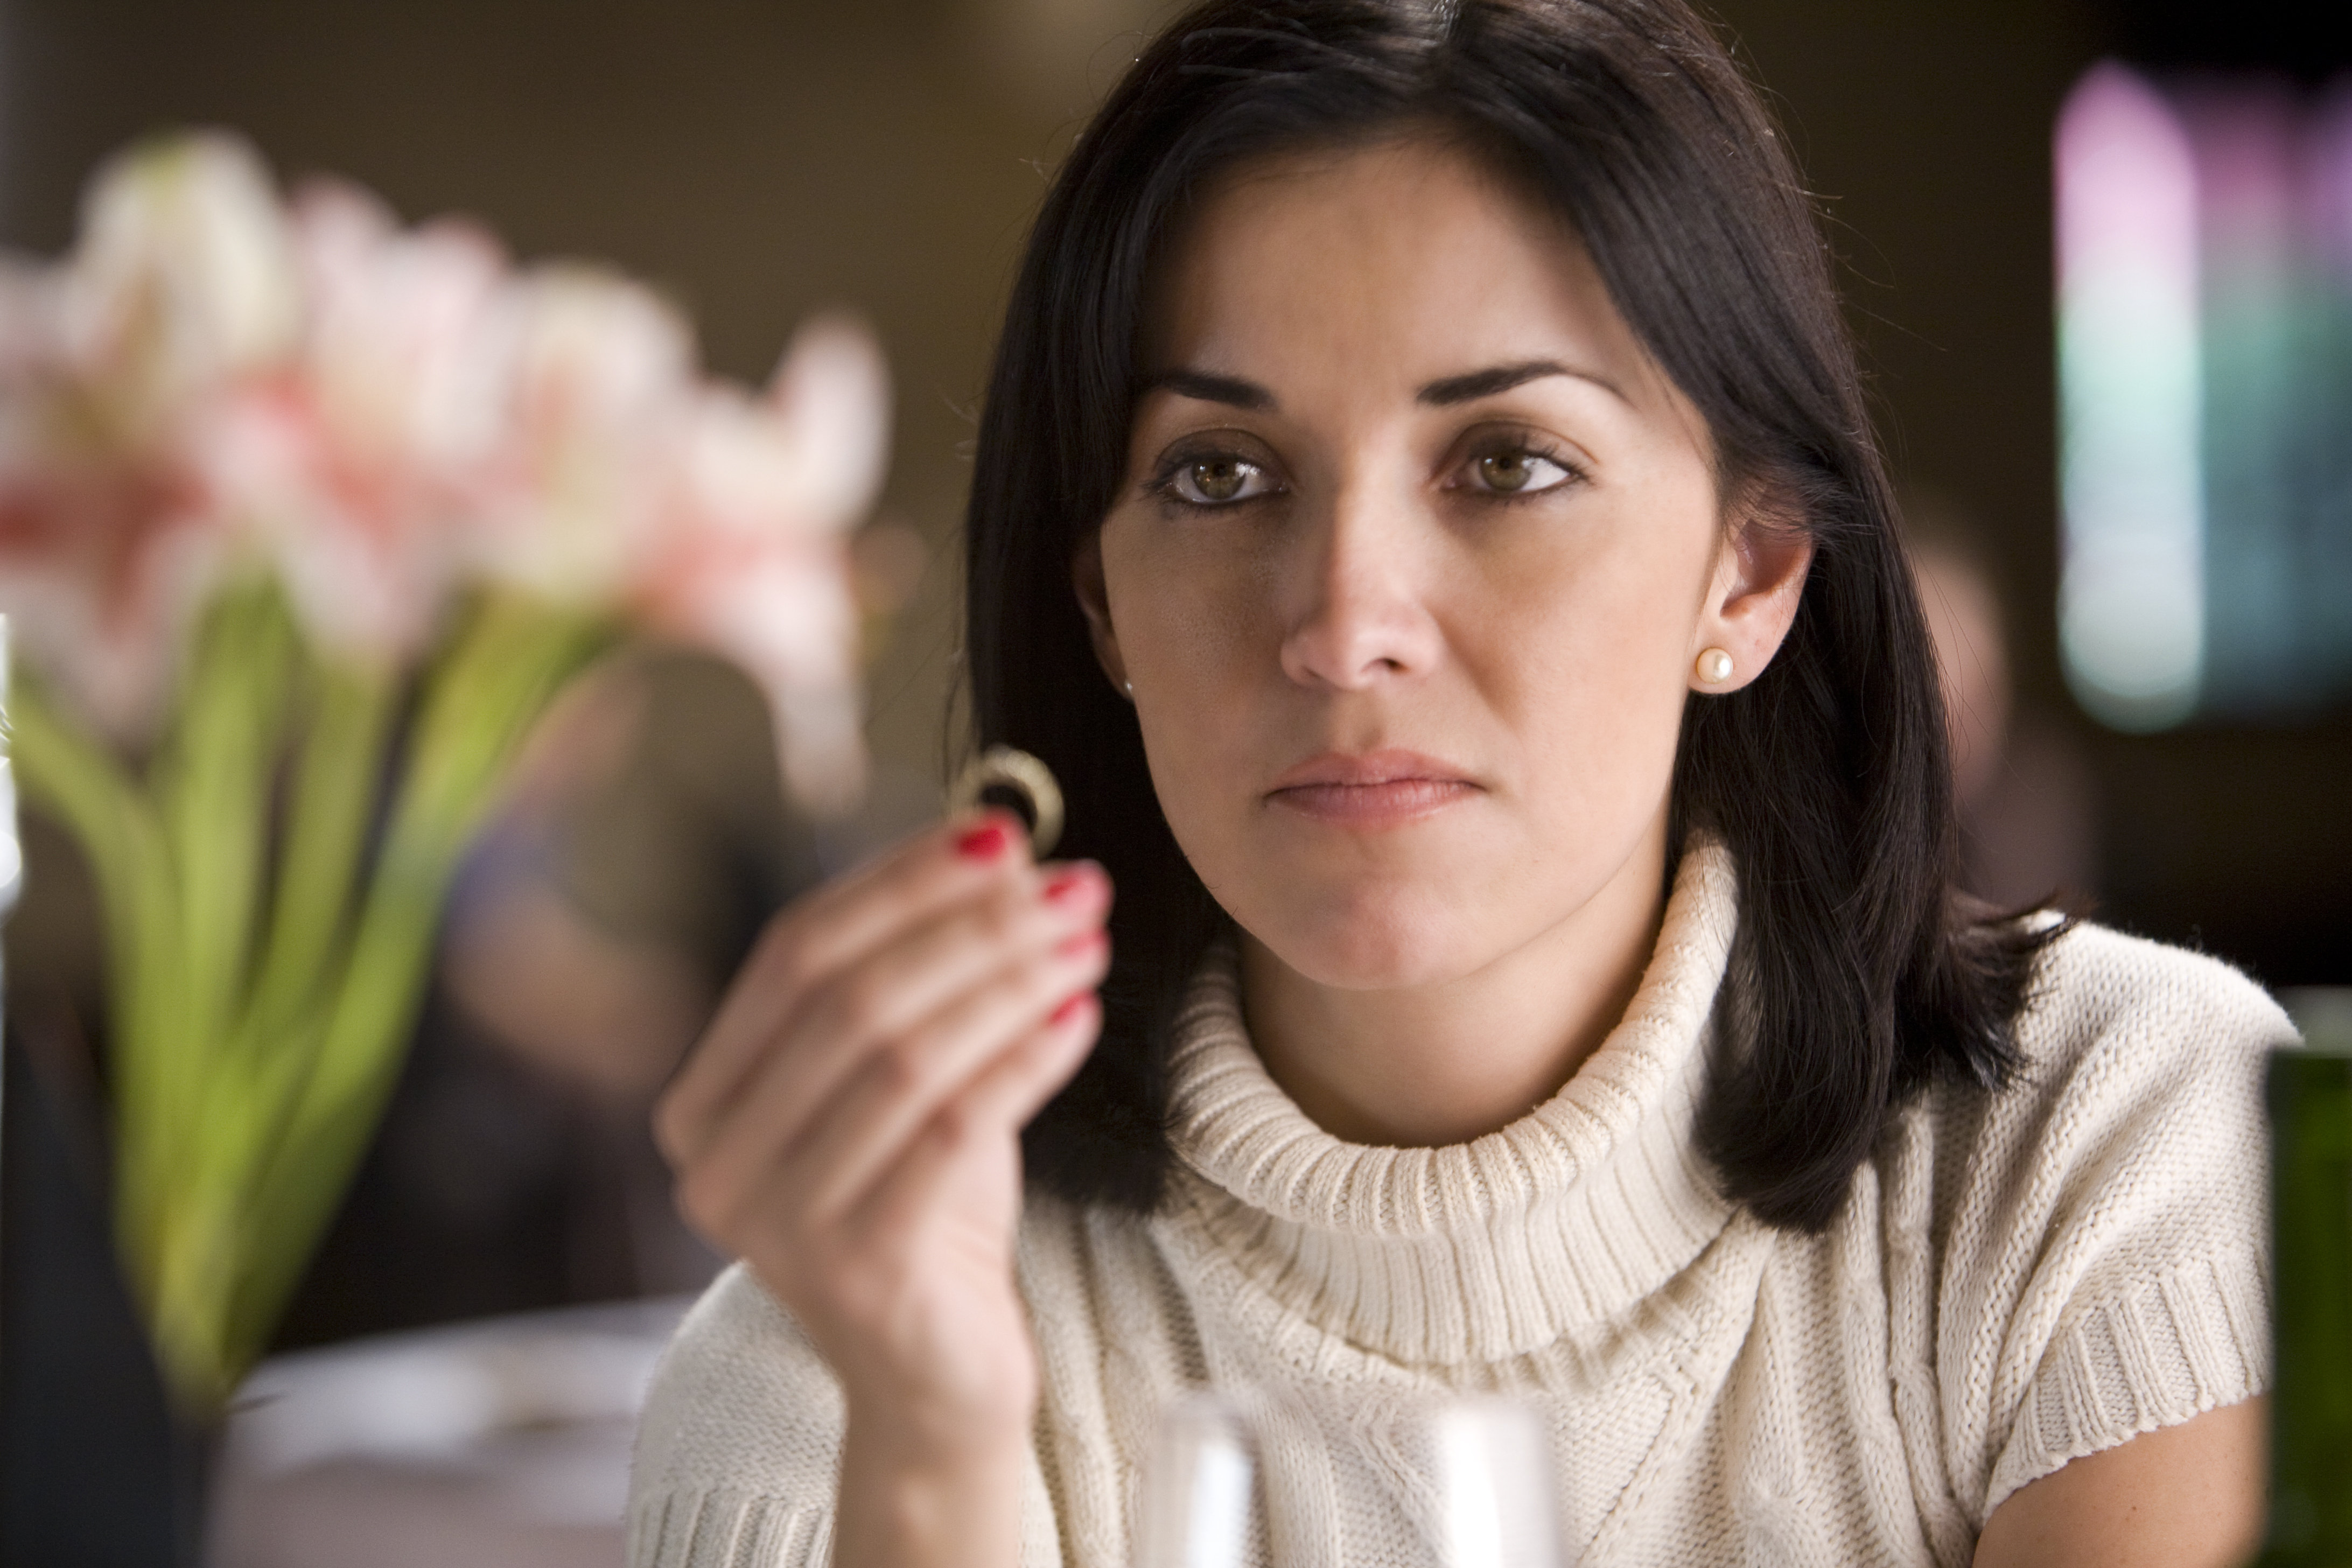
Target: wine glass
[(1337, 1477), (1501, 1506), (1201, 1502)]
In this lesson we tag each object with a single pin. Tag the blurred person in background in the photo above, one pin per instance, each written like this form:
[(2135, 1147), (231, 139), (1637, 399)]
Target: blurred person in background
[(2026, 794)]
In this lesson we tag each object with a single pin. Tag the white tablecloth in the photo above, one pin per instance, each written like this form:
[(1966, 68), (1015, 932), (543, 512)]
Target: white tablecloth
[(499, 1444)]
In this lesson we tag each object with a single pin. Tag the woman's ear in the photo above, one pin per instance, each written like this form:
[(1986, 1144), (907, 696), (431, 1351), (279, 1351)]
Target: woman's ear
[(1760, 573), (1094, 603)]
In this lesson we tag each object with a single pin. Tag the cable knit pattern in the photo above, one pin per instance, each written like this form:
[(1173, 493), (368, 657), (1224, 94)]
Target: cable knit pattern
[(2015, 1280)]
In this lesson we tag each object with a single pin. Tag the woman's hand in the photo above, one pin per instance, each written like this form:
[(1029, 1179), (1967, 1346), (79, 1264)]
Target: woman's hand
[(849, 1127)]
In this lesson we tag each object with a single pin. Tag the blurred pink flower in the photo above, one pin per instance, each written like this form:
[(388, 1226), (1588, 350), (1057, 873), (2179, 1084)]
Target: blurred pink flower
[(352, 469), (602, 385), (753, 559), (380, 416), (182, 284), (182, 281)]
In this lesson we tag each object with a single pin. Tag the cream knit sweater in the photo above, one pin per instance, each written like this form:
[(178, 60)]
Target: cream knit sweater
[(2016, 1280)]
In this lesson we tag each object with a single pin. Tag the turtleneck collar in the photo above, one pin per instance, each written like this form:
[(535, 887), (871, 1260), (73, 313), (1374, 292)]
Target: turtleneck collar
[(1481, 1250)]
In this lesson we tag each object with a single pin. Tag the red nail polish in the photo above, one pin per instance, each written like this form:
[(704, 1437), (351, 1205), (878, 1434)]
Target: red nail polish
[(1065, 886), (1069, 1009), (985, 842), (1085, 943)]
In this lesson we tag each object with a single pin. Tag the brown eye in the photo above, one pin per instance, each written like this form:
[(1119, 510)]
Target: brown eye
[(1515, 470), (1505, 470), (1219, 480)]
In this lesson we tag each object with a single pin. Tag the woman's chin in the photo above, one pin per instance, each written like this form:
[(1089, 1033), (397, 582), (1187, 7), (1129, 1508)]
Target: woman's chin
[(1391, 945)]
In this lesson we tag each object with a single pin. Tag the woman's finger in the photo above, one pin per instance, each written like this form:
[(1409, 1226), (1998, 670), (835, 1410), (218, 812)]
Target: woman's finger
[(865, 1127), (875, 1005), (1014, 1088), (801, 1084), (955, 863), (837, 923), (993, 1106)]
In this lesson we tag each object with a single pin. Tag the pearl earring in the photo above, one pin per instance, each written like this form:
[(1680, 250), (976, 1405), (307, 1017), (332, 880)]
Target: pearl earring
[(1715, 666), (1128, 686)]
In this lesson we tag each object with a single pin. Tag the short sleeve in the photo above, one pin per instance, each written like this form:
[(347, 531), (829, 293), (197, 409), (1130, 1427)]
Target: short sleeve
[(738, 1449), (2104, 1267)]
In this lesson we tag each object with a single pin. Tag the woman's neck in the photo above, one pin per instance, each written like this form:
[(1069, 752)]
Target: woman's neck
[(1443, 1063)]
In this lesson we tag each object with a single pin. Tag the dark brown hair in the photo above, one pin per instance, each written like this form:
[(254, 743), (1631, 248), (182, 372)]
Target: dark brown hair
[(1857, 975)]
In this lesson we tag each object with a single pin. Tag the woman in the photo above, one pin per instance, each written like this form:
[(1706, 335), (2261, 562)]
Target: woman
[(1425, 516)]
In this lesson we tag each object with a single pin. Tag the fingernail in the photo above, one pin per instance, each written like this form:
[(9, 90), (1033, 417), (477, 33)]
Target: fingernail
[(985, 842), (1069, 1009), (1066, 884), (1086, 941)]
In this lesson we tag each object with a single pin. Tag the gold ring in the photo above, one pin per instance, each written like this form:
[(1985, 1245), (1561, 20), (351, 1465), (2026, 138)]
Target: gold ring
[(1003, 767)]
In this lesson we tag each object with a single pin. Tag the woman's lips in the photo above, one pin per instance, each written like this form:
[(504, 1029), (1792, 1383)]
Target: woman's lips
[(1383, 789)]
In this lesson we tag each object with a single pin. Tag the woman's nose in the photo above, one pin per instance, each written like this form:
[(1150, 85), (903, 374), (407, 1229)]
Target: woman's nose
[(1364, 577)]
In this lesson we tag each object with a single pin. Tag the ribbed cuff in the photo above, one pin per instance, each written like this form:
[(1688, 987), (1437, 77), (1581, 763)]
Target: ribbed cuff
[(716, 1527), (2191, 1340)]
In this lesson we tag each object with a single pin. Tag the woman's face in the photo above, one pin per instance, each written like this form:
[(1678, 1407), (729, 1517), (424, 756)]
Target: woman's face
[(1412, 561)]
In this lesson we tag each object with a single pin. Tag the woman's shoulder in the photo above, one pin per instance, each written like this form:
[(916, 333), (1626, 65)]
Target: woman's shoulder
[(2139, 1084), (2134, 1057), (2101, 994), (741, 1430)]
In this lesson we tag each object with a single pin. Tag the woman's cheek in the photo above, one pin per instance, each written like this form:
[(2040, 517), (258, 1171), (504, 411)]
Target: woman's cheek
[(1188, 656), (1586, 672)]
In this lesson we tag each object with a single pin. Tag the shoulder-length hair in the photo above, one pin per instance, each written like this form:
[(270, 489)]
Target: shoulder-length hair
[(1857, 975)]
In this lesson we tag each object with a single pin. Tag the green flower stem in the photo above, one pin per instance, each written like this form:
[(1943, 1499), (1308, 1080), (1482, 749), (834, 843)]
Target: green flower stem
[(483, 703), (329, 810), (249, 1100), (327, 819), (257, 1021), (212, 795)]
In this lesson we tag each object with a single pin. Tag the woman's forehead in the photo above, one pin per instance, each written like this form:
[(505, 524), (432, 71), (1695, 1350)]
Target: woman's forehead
[(1370, 273), (1406, 257)]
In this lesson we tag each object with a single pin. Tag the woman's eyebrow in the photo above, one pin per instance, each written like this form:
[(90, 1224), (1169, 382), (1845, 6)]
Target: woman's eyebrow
[(1480, 384), (1207, 388), (1237, 393)]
